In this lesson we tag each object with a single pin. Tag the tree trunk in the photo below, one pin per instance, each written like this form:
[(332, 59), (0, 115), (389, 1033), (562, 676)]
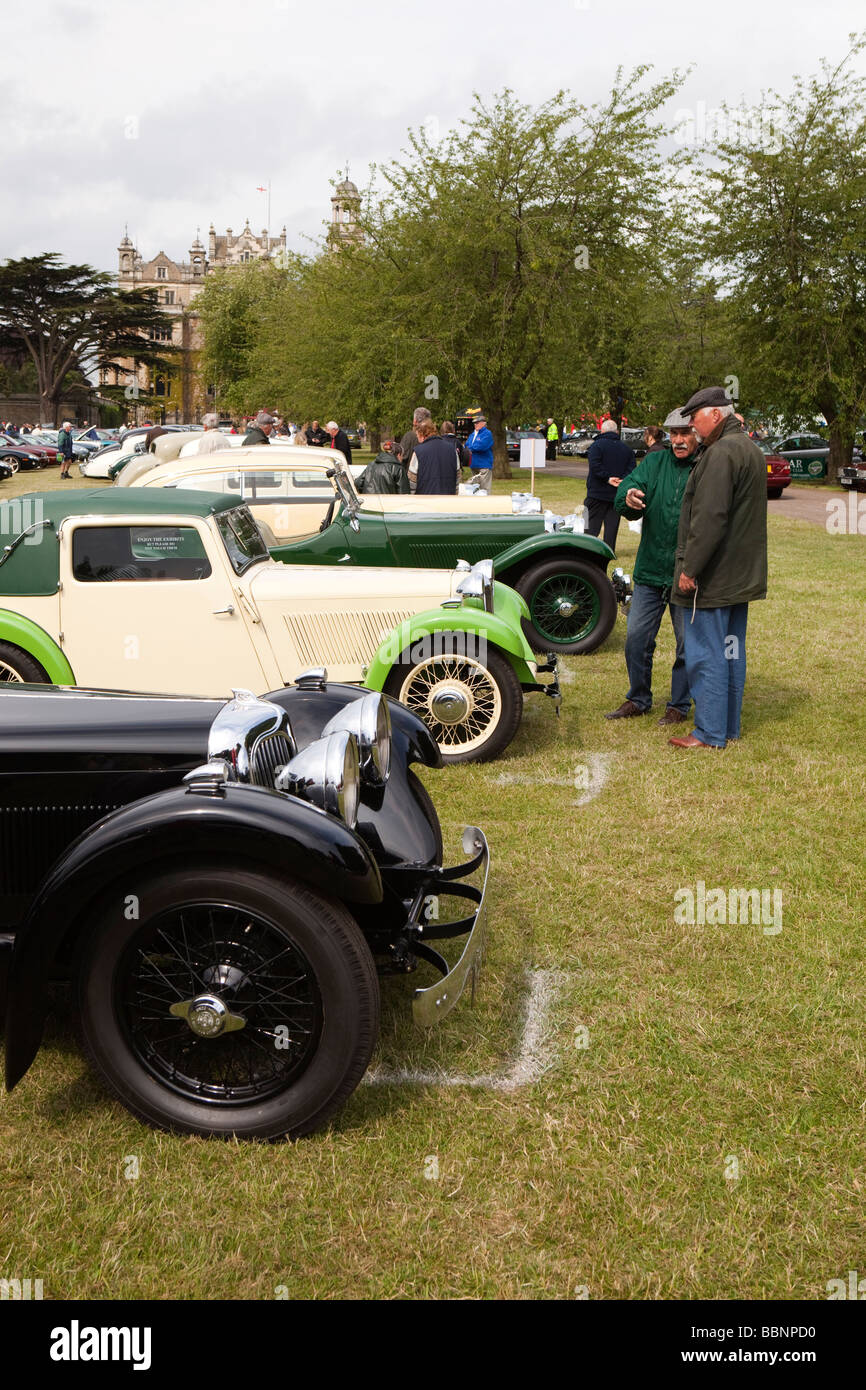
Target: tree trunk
[(496, 424), (841, 449), (374, 438)]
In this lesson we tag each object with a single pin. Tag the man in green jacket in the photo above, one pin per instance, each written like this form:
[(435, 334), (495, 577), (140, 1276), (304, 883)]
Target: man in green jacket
[(721, 565), (654, 492)]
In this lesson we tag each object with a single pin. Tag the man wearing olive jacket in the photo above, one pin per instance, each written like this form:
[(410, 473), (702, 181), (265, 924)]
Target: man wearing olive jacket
[(654, 492), (721, 565)]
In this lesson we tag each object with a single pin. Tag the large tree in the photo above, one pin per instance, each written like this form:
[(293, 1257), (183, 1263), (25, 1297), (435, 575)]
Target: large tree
[(787, 209), (505, 242), (72, 316), (498, 267)]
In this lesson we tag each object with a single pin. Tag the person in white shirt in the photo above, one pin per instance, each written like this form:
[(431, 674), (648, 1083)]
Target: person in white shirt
[(211, 440)]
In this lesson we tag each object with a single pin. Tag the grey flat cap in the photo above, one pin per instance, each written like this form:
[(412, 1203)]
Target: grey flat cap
[(678, 421), (264, 419), (707, 398)]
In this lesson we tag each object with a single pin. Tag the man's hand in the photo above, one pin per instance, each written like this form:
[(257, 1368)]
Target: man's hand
[(686, 585), (634, 499), (614, 482)]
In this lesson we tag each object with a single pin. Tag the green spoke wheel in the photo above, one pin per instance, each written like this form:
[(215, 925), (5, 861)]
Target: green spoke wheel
[(572, 606)]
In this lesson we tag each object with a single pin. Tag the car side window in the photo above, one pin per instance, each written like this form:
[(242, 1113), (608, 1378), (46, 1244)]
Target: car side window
[(101, 554)]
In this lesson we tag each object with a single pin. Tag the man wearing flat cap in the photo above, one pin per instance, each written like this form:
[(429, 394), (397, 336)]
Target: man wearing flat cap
[(259, 430), (654, 492), (721, 565)]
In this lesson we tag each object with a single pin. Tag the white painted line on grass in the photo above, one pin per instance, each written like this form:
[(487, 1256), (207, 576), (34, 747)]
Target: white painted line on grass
[(588, 777), (535, 1056)]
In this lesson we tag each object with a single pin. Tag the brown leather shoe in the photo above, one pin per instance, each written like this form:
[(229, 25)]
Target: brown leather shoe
[(691, 742), (673, 716), (627, 710)]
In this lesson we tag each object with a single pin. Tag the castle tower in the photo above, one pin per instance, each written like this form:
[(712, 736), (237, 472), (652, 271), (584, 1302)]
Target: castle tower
[(345, 210), (197, 259), (125, 259)]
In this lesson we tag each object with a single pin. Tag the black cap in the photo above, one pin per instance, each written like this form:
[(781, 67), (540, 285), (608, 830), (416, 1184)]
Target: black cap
[(707, 398)]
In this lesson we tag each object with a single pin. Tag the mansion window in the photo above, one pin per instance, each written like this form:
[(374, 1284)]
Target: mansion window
[(161, 272), (169, 297)]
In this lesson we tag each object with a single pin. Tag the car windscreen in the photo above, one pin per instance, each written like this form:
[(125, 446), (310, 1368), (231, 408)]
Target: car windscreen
[(242, 538)]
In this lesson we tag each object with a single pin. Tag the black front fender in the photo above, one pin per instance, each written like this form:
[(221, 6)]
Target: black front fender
[(239, 824)]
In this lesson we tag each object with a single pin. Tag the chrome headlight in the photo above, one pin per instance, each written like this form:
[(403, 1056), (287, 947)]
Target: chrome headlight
[(370, 721), (479, 583), (326, 773), (253, 737)]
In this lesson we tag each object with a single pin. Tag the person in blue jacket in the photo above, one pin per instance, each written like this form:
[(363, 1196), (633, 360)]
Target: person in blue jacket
[(480, 446), (610, 460)]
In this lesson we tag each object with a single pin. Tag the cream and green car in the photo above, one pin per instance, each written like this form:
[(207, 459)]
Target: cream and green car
[(175, 591)]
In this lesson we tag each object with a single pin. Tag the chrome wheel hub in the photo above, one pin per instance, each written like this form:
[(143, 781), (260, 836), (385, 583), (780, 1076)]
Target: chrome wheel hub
[(449, 704), (207, 1016), (565, 608)]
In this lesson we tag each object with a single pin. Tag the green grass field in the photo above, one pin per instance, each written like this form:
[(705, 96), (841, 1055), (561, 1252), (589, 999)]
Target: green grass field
[(698, 1129)]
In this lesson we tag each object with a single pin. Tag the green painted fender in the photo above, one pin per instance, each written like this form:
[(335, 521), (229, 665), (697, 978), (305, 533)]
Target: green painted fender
[(555, 545), (34, 640), (501, 629)]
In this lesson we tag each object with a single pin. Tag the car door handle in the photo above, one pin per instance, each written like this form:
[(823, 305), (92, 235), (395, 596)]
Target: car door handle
[(229, 608)]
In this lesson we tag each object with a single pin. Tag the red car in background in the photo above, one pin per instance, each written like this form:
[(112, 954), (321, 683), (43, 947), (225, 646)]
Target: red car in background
[(778, 468), (29, 445)]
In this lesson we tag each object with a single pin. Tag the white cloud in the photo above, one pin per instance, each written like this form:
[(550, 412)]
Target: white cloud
[(167, 116)]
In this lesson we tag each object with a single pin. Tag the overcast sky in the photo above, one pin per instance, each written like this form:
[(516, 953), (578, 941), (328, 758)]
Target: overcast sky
[(166, 115)]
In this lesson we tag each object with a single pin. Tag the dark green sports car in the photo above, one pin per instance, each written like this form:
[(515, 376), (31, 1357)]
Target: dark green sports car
[(561, 573), (311, 514)]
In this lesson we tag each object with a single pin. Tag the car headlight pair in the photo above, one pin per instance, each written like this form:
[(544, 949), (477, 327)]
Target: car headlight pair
[(478, 582), (355, 747)]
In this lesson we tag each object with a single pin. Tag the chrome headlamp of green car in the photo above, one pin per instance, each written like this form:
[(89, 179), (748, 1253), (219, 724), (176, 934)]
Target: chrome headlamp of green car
[(478, 582)]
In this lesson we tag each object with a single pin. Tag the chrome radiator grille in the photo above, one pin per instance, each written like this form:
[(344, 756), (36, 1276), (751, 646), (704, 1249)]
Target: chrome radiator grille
[(269, 754)]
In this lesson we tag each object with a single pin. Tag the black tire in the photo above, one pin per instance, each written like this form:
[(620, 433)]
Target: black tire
[(269, 949), (17, 666), (483, 678), (564, 581), (774, 492)]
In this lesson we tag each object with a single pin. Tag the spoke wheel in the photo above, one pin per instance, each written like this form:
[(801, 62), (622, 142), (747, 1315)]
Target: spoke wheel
[(572, 606), (471, 707), (17, 667), (192, 973), (240, 1003)]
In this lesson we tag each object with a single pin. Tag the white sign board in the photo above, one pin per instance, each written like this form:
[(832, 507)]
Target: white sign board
[(532, 453)]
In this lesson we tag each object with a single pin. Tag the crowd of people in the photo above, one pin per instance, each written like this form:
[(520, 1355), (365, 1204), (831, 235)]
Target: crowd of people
[(259, 429)]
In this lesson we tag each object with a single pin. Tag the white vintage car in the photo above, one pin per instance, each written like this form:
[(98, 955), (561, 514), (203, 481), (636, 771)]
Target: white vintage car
[(176, 457), (176, 591)]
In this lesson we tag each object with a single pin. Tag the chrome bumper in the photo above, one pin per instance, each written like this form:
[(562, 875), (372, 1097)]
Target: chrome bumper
[(431, 1005)]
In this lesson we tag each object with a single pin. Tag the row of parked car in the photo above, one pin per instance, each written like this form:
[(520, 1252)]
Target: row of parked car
[(224, 883)]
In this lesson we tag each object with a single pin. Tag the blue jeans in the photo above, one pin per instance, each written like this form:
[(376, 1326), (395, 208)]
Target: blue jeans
[(645, 613), (716, 668)]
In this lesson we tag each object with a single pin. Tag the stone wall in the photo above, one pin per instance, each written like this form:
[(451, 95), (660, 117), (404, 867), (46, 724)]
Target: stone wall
[(26, 410)]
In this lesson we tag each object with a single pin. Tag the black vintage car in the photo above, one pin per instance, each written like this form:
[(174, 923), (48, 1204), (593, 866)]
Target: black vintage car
[(222, 884)]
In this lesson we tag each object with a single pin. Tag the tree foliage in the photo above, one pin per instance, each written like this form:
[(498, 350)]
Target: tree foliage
[(787, 229), (70, 317)]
